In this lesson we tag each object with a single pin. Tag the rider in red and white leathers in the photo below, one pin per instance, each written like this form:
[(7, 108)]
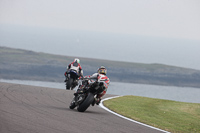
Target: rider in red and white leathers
[(101, 76), (75, 65)]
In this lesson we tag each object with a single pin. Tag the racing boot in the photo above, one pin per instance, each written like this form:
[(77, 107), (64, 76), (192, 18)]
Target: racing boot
[(96, 100)]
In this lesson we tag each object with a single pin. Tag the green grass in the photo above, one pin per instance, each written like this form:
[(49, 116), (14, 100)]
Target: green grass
[(164, 114)]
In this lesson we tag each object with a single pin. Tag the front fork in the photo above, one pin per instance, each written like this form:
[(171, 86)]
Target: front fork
[(78, 99)]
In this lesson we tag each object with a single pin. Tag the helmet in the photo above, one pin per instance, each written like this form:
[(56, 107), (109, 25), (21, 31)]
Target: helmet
[(77, 60), (102, 70)]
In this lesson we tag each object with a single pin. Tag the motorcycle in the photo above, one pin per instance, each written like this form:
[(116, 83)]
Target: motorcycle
[(84, 96), (72, 81)]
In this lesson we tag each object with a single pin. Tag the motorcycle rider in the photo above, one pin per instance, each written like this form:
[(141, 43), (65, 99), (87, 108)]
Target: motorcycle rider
[(75, 65), (103, 81)]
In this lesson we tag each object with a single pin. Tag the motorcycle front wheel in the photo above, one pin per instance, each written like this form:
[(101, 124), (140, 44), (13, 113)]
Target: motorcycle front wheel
[(72, 104), (86, 103)]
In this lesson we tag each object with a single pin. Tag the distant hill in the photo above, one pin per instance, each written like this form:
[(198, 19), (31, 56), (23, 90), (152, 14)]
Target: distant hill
[(30, 65)]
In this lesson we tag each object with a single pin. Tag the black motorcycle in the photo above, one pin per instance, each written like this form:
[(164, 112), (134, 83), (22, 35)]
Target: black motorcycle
[(72, 80), (84, 96)]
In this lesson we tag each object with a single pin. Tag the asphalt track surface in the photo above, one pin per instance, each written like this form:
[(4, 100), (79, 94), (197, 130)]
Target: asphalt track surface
[(30, 109)]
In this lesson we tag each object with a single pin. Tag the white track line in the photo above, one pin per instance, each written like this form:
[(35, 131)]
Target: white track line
[(102, 106)]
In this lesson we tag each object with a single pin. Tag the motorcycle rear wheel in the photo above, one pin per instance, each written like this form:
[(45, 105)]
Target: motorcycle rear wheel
[(86, 103), (69, 84)]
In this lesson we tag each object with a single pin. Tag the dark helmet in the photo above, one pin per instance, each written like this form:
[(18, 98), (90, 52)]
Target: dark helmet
[(102, 70)]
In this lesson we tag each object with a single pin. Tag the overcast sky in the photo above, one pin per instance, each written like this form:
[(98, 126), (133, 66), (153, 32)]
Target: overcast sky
[(165, 18), (151, 31)]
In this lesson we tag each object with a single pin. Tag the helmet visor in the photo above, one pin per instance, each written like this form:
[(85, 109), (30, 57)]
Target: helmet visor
[(102, 71)]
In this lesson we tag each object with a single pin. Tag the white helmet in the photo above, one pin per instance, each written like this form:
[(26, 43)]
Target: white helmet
[(77, 60)]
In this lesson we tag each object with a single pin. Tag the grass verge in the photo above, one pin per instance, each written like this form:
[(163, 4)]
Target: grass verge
[(168, 115)]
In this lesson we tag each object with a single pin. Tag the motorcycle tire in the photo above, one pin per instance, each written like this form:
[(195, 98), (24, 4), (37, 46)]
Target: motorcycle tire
[(86, 103), (69, 84), (72, 104)]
